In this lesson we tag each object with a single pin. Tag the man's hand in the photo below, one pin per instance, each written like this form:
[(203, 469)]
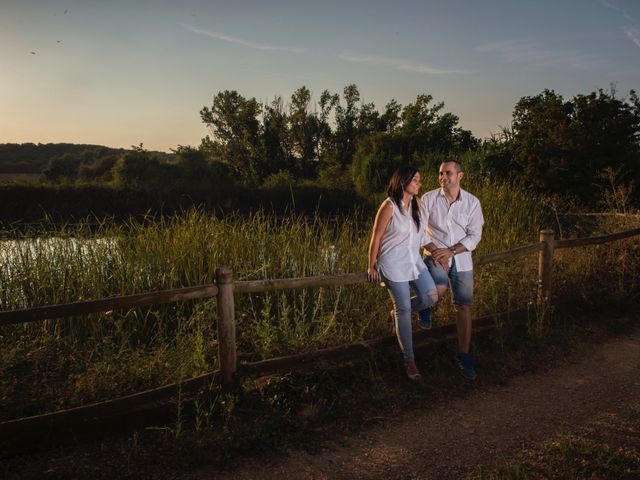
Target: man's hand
[(441, 256)]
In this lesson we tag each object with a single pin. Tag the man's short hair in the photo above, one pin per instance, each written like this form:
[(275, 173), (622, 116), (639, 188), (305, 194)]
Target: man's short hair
[(457, 163)]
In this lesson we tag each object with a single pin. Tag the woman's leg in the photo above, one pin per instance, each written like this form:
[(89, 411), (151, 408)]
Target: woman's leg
[(426, 292), (400, 295)]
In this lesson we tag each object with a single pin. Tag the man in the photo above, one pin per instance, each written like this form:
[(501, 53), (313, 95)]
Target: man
[(455, 225)]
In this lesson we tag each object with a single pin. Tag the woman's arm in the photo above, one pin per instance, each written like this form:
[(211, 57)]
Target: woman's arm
[(383, 217)]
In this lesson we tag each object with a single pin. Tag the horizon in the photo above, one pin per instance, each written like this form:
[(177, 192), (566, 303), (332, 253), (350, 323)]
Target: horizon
[(86, 72)]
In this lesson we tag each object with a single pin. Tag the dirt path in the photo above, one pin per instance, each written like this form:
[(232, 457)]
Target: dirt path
[(448, 441)]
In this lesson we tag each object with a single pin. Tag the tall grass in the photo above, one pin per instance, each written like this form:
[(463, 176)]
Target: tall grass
[(102, 355)]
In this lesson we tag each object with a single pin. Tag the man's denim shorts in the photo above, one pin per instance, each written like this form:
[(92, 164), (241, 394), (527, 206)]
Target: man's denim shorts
[(461, 282)]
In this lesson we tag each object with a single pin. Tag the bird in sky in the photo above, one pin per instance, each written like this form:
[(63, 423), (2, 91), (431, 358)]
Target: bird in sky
[(33, 53)]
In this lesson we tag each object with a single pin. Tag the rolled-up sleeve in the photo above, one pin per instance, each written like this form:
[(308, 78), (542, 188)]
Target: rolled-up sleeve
[(474, 227)]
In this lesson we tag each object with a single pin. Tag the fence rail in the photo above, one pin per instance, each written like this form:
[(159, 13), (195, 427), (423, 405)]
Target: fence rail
[(582, 242), (107, 304), (224, 290)]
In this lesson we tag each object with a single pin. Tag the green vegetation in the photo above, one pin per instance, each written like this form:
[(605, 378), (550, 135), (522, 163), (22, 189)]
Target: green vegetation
[(567, 456), (571, 148), (75, 358), (35, 158), (586, 149)]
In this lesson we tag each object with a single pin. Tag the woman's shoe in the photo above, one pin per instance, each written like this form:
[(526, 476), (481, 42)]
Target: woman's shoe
[(412, 372), (392, 319)]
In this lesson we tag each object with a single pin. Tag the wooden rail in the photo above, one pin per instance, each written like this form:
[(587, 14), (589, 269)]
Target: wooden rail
[(107, 304), (224, 290), (254, 286), (582, 242)]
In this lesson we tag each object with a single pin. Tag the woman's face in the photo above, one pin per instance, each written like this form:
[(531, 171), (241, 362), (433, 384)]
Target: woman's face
[(413, 188)]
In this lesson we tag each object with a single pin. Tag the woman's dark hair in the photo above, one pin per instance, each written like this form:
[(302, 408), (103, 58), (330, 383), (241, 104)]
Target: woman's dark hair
[(399, 180)]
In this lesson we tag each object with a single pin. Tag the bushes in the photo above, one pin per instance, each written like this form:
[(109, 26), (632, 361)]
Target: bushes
[(64, 203)]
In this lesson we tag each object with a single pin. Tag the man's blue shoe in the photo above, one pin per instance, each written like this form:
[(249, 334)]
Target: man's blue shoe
[(424, 319), (466, 365)]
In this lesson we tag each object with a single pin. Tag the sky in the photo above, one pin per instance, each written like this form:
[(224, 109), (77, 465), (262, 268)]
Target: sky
[(120, 73)]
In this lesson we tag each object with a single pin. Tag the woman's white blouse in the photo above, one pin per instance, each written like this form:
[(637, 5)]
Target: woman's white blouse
[(399, 259)]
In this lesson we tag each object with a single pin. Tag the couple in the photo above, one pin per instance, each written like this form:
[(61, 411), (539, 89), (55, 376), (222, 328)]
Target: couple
[(447, 223)]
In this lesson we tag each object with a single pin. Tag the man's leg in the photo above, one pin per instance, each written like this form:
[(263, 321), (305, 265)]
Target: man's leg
[(426, 297), (442, 289), (464, 327), (440, 276), (462, 289)]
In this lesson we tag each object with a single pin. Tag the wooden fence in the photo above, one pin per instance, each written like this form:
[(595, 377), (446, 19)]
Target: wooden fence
[(224, 290)]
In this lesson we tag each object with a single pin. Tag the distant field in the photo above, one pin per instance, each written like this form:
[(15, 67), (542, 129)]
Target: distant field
[(12, 177)]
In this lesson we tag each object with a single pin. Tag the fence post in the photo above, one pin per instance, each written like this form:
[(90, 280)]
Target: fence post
[(545, 265), (226, 325)]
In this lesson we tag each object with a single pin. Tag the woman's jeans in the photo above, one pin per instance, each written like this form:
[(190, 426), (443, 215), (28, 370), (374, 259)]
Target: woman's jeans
[(403, 304)]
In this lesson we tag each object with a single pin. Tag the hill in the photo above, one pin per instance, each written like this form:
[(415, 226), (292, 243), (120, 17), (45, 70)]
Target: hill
[(33, 157)]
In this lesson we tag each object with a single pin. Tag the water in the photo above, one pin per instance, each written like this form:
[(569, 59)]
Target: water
[(30, 266)]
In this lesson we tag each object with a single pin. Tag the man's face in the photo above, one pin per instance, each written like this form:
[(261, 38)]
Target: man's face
[(448, 176)]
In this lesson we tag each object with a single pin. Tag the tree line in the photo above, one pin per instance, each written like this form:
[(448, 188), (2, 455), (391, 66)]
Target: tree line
[(576, 148)]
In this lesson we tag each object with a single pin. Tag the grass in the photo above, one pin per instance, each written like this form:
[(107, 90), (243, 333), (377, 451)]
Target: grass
[(73, 361), (567, 456)]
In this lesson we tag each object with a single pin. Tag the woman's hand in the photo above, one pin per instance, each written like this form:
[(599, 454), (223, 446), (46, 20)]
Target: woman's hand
[(372, 273)]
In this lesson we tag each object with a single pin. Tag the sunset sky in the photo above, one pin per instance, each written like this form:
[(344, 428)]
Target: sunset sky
[(120, 73)]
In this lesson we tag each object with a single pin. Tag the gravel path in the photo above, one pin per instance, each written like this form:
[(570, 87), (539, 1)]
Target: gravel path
[(450, 440)]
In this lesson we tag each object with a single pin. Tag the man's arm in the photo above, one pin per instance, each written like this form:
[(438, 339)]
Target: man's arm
[(473, 228)]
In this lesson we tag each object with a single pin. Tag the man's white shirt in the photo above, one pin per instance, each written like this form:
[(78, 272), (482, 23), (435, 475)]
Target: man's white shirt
[(460, 222)]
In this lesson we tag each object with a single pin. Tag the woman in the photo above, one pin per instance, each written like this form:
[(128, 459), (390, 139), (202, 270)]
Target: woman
[(394, 257)]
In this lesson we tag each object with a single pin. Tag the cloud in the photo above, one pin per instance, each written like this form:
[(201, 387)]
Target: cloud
[(239, 41), (517, 51), (633, 33), (619, 10), (403, 64)]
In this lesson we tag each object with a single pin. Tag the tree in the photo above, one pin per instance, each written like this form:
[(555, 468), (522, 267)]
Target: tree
[(276, 138), (543, 142), (427, 129), (415, 134), (137, 170), (236, 134), (257, 141), (391, 117), (346, 118), (325, 146), (100, 169), (376, 157), (200, 177), (63, 167), (605, 129), (304, 129), (565, 147)]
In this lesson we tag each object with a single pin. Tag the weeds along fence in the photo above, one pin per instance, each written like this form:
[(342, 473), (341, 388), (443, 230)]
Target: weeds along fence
[(224, 291)]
